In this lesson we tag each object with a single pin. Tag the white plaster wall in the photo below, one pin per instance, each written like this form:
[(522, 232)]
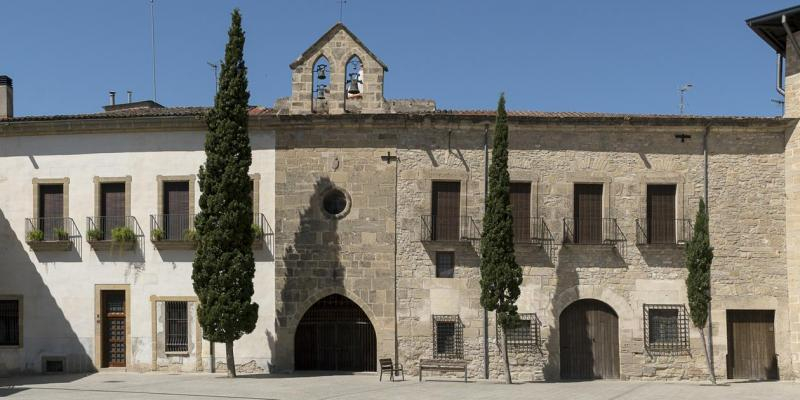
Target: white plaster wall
[(59, 287)]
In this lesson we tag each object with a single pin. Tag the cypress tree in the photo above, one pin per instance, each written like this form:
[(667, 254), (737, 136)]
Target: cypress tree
[(500, 273), (223, 267), (699, 255)]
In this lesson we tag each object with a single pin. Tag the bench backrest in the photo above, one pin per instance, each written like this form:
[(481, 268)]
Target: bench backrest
[(386, 362), (443, 363)]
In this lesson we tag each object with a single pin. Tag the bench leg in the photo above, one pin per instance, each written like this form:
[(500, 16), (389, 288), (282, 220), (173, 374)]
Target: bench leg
[(465, 374), (420, 374)]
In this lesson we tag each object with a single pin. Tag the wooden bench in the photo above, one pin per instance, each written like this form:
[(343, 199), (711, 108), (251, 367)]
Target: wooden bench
[(388, 366), (443, 365)]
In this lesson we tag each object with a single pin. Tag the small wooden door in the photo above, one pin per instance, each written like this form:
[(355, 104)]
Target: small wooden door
[(751, 345), (661, 214), (589, 341), (176, 209), (114, 328), (520, 196), (445, 209), (51, 210), (112, 207), (588, 213)]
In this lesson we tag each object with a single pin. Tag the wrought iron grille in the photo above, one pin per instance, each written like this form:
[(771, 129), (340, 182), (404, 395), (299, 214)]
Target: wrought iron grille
[(666, 328), (525, 337), (441, 228), (9, 322), (104, 226), (673, 231), (264, 230), (176, 327), (178, 227), (448, 337), (50, 229)]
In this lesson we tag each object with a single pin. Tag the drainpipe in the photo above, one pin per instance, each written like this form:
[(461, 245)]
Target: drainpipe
[(705, 187), (485, 197), (389, 158)]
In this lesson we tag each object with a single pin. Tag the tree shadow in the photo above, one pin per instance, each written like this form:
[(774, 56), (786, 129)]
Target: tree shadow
[(46, 332)]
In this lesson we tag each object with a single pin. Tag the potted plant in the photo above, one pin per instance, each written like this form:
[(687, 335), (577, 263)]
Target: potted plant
[(94, 235), (60, 234), (190, 235), (258, 233), (36, 235), (123, 234), (157, 235)]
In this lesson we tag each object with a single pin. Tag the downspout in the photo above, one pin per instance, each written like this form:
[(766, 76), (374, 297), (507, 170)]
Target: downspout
[(708, 219), (485, 197)]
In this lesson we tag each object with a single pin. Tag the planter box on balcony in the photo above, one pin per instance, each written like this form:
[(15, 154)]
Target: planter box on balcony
[(108, 245), (175, 244), (50, 245)]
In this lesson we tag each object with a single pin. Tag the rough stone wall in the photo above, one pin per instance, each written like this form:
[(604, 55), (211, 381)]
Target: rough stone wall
[(318, 255), (747, 230)]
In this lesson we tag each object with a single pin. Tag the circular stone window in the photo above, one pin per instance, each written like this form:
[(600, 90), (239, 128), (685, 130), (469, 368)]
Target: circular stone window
[(336, 203)]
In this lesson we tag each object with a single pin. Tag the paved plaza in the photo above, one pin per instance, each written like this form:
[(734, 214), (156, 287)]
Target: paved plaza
[(156, 386)]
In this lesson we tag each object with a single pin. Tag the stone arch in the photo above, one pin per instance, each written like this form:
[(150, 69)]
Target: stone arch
[(320, 103), (620, 305), (320, 294), (354, 76)]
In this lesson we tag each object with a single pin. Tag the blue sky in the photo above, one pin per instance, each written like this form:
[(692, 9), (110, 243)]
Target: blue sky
[(610, 56)]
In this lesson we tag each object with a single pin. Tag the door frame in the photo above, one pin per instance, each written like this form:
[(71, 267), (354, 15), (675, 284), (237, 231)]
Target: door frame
[(98, 323), (729, 366)]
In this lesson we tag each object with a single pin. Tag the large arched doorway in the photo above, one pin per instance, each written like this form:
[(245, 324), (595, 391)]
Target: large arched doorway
[(589, 341), (335, 335)]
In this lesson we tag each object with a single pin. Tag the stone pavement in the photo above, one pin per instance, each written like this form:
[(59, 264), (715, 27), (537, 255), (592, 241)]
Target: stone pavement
[(157, 386)]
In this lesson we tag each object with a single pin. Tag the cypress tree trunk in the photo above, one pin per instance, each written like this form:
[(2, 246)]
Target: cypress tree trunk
[(708, 356), (229, 361), (505, 356)]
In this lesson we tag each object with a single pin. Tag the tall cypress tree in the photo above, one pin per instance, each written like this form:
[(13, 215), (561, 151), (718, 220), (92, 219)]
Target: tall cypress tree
[(224, 266), (699, 255), (500, 273)]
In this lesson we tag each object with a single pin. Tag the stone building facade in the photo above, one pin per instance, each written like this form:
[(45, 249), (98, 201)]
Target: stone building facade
[(376, 206)]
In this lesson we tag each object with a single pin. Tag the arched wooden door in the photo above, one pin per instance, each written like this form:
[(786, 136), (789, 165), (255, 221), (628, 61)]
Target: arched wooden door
[(589, 341), (335, 335)]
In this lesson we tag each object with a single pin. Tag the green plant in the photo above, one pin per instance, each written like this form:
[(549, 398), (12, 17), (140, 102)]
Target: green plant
[(190, 234), (500, 273), (123, 234), (35, 235), (157, 234), (258, 233), (223, 267), (94, 234), (699, 255), (60, 234)]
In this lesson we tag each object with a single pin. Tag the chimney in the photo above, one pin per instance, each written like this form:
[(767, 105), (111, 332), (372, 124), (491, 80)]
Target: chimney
[(112, 98), (6, 97)]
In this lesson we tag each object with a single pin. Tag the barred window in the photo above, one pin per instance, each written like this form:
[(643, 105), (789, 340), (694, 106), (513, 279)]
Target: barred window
[(448, 337), (176, 327), (9, 322), (445, 264), (666, 328), (525, 337)]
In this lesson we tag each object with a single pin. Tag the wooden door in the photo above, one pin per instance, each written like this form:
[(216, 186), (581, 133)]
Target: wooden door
[(520, 196), (176, 209), (661, 214), (114, 328), (751, 345), (112, 207), (588, 211), (589, 341), (51, 210), (445, 210)]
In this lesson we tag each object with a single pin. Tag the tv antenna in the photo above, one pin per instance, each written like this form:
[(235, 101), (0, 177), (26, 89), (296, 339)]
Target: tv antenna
[(685, 88), (216, 79), (153, 42)]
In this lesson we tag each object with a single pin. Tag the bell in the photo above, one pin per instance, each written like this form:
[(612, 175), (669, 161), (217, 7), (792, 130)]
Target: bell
[(321, 72), (320, 92), (352, 88)]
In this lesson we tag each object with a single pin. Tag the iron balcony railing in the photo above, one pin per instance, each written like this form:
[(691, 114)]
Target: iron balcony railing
[(534, 230), (449, 228), (172, 227), (592, 231), (50, 229), (666, 231), (263, 231), (102, 228)]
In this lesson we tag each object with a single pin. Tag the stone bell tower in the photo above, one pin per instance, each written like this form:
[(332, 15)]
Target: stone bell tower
[(337, 75)]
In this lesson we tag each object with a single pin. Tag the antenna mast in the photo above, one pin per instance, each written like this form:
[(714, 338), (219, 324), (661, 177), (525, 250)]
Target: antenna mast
[(153, 43), (341, 8), (685, 88), (216, 79)]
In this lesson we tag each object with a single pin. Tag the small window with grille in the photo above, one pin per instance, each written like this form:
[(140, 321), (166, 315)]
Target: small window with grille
[(525, 337), (9, 322), (448, 337), (666, 328), (176, 329), (445, 264)]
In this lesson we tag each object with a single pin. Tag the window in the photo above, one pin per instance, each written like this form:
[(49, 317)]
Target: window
[(176, 327), (445, 207), (661, 214), (520, 196), (448, 337), (588, 213), (445, 264), (334, 202), (9, 322), (112, 208), (525, 337), (176, 220), (666, 329)]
